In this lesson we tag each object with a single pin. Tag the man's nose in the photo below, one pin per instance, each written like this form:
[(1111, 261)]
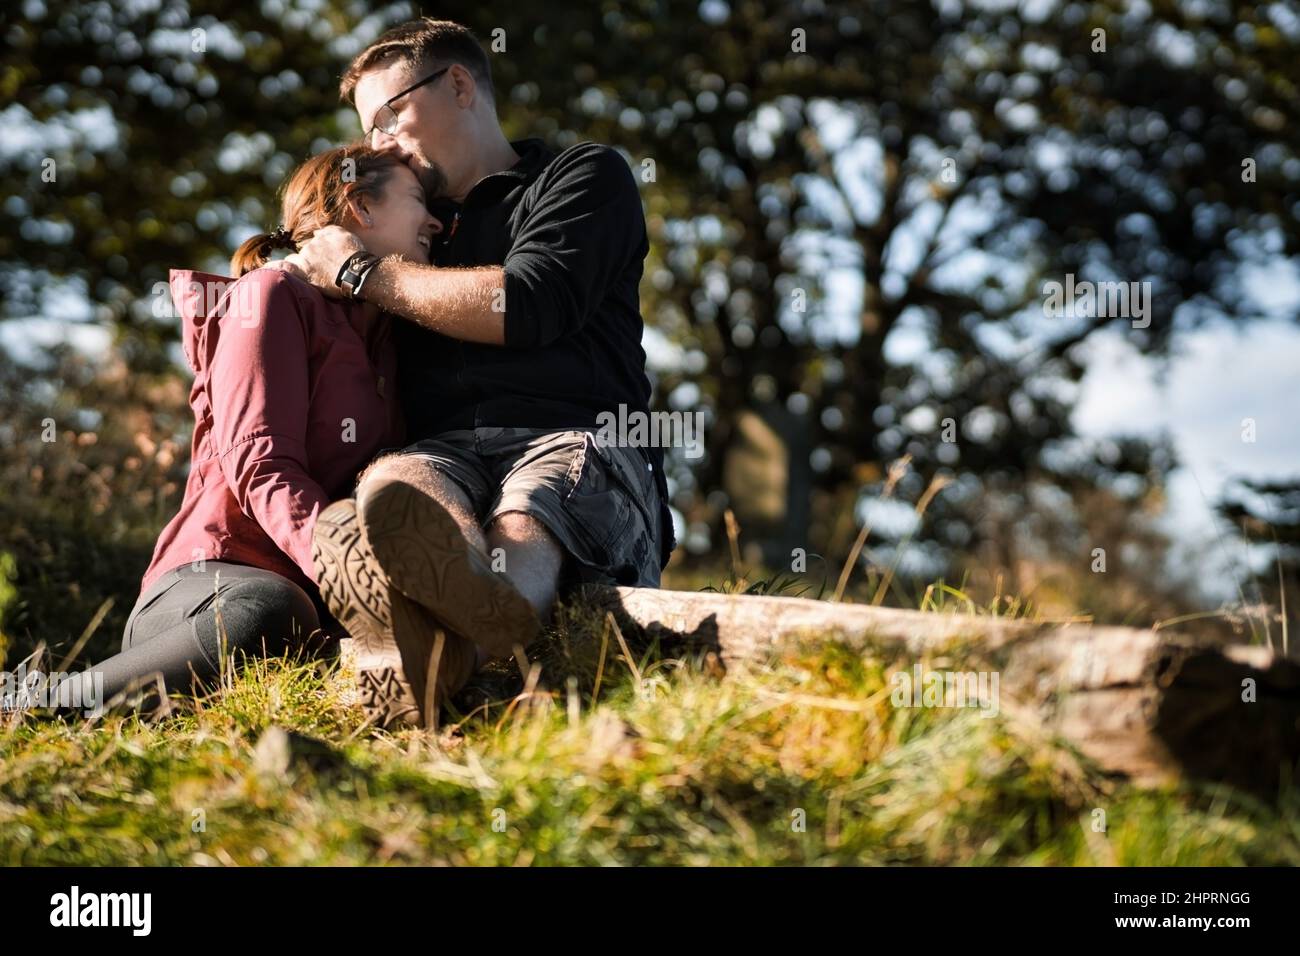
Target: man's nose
[(382, 142)]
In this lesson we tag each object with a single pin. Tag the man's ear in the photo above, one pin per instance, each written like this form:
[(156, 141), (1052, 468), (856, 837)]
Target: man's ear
[(464, 84)]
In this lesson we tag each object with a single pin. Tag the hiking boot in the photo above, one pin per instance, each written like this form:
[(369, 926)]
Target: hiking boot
[(425, 555), (395, 637)]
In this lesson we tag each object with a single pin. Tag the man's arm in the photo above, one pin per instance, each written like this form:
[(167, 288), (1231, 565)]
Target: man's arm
[(584, 233), (465, 304), (584, 230)]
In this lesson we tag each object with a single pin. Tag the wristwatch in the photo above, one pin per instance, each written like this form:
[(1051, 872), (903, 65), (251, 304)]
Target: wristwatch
[(353, 274)]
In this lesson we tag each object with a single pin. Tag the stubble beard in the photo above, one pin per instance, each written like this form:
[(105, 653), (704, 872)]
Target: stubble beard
[(432, 178)]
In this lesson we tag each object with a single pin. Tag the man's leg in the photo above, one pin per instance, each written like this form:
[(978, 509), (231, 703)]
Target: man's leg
[(419, 473), (533, 558), (421, 524), (570, 511)]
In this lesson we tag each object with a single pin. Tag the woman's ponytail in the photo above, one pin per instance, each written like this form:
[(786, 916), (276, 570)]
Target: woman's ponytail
[(256, 252)]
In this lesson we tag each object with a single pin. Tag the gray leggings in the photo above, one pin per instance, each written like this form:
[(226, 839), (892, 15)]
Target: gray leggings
[(189, 620)]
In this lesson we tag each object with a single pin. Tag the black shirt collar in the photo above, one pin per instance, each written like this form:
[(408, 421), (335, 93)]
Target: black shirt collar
[(533, 157)]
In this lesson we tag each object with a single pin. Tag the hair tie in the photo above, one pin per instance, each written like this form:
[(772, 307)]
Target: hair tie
[(282, 238)]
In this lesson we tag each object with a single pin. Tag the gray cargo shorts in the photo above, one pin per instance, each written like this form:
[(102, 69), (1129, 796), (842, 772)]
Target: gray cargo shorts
[(601, 503)]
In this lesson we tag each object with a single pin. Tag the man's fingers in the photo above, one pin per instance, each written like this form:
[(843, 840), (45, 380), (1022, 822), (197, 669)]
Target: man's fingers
[(284, 265), (319, 258), (302, 268), (296, 265)]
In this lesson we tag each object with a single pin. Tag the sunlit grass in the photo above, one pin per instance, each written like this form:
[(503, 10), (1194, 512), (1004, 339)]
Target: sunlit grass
[(608, 752)]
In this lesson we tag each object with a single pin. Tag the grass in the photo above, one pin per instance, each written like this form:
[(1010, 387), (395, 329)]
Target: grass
[(607, 752)]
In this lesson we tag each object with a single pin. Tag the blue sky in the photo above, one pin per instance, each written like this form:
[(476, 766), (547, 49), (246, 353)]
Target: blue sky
[(1220, 376)]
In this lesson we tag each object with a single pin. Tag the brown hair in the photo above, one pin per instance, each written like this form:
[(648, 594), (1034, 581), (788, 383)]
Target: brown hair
[(317, 195), (418, 43)]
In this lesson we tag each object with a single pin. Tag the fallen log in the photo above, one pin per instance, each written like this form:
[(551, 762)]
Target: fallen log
[(1150, 705), (1153, 706)]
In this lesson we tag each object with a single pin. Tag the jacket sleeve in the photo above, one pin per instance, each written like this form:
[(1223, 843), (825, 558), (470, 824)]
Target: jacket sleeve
[(258, 382), (585, 228)]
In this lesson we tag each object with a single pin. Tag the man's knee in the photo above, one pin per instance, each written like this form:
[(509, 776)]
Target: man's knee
[(396, 466), (416, 471), (522, 528)]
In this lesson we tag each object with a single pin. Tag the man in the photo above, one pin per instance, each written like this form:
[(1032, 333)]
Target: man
[(522, 333)]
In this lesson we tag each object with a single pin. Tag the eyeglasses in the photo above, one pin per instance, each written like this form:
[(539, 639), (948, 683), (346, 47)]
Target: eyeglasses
[(385, 118)]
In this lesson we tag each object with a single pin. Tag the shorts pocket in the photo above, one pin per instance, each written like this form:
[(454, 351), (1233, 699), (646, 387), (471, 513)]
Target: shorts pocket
[(606, 516), (630, 468)]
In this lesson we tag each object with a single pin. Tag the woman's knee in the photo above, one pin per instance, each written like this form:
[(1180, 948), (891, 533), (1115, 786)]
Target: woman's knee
[(259, 616)]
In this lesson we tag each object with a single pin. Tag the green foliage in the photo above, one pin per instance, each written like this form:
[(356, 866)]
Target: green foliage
[(775, 585), (8, 597), (92, 468), (1267, 513)]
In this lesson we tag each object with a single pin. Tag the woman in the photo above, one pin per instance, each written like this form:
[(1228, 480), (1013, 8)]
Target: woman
[(293, 394)]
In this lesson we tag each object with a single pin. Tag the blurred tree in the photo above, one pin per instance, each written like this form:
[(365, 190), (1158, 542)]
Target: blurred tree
[(854, 204), (1267, 514), (151, 135), (873, 174)]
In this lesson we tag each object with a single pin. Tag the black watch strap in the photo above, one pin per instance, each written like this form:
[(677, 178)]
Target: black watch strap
[(353, 274)]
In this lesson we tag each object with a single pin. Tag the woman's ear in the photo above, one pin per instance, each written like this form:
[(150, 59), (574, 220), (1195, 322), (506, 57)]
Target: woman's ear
[(359, 206)]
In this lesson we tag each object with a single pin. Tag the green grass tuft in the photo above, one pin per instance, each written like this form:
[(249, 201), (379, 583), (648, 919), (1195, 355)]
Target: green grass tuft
[(602, 756)]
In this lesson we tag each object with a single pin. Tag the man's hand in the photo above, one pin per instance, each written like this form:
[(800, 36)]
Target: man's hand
[(322, 256), (284, 265)]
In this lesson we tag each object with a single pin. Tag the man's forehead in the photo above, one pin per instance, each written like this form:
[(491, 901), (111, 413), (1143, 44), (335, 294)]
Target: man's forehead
[(379, 85)]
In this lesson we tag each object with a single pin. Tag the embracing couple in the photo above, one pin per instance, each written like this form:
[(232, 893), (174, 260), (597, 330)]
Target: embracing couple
[(395, 426)]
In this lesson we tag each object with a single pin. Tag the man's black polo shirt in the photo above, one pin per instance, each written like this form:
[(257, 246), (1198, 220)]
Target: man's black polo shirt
[(569, 231)]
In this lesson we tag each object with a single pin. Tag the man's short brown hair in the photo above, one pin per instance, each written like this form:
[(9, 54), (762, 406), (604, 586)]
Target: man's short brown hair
[(419, 43)]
